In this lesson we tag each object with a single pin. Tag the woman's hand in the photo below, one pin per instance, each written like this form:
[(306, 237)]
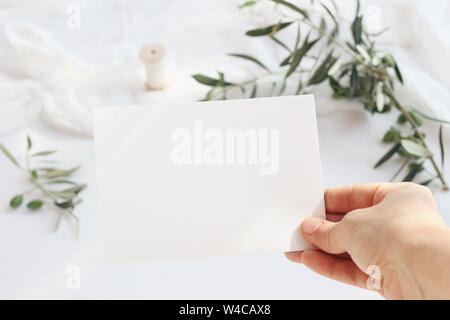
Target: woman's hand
[(393, 229)]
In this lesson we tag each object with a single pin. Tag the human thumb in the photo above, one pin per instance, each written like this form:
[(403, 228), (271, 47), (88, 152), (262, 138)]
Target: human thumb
[(330, 237)]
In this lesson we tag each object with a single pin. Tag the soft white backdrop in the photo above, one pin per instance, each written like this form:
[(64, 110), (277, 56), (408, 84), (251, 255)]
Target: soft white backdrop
[(51, 76)]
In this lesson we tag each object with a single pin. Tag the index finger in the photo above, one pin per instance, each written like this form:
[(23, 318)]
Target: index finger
[(357, 196)]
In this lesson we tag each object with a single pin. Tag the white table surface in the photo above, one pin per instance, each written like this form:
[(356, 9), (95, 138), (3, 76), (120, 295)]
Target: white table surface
[(34, 259)]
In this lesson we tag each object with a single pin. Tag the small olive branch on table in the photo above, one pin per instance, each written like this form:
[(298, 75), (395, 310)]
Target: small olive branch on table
[(354, 70), (43, 180)]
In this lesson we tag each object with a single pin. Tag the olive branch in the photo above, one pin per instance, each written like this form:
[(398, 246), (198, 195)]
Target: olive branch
[(43, 179), (354, 70)]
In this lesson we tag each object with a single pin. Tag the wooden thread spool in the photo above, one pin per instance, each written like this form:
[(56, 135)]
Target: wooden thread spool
[(158, 75)]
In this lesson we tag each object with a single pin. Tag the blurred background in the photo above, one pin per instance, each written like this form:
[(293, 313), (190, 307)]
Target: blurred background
[(60, 59)]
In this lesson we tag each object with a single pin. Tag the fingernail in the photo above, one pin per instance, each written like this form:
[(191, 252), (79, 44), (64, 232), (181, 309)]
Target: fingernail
[(310, 225)]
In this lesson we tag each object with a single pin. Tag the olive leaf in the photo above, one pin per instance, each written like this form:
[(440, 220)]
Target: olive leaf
[(358, 7), (16, 201), (392, 135), (323, 24), (357, 30), (9, 155), (43, 153), (59, 173), (283, 87), (293, 7), (397, 71), (246, 4), (68, 203), (35, 204), (59, 182), (280, 43), (64, 204), (363, 52), (270, 30), (415, 148), (286, 60), (250, 58), (414, 169), (354, 81), (416, 118), (208, 95), (335, 67), (76, 189), (321, 73), (427, 182), (299, 54), (380, 97), (208, 81), (388, 155), (29, 143), (254, 91), (441, 121), (336, 24)]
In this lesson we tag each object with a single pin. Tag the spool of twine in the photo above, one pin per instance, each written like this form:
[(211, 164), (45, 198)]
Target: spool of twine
[(158, 74)]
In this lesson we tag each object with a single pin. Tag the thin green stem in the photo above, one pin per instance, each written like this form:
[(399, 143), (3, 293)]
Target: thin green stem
[(27, 160), (29, 191), (419, 135), (430, 118), (400, 169)]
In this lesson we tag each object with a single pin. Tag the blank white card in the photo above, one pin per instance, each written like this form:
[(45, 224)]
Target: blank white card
[(206, 178)]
